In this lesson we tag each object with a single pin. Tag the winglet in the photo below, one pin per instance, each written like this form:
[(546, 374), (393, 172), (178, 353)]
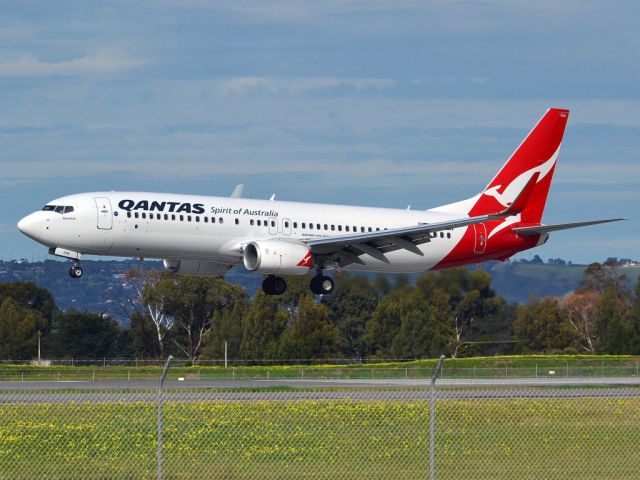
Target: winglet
[(238, 191)]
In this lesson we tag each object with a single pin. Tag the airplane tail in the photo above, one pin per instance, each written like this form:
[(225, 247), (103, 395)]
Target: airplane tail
[(536, 155)]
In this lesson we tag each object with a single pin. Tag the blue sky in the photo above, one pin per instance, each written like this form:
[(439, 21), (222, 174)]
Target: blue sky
[(372, 103)]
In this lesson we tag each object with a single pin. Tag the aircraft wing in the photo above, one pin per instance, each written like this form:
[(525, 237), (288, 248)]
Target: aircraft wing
[(346, 249), (536, 230)]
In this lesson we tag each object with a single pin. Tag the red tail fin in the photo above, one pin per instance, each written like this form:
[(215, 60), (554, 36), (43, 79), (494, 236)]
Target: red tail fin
[(536, 155)]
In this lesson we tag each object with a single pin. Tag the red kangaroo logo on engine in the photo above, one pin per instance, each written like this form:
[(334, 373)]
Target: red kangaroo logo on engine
[(307, 261)]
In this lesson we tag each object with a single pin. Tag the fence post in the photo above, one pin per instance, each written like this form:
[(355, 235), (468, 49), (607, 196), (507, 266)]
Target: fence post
[(432, 419), (160, 423)]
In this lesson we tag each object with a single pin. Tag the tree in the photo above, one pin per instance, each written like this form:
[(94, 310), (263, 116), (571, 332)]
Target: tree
[(350, 308), (18, 330), (543, 327), (613, 324), (191, 302), (262, 327), (144, 336), (88, 335), (31, 296), (581, 314), (147, 305), (226, 327), (311, 334)]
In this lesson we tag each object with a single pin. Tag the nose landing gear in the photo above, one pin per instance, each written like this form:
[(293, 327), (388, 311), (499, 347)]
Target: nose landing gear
[(75, 271)]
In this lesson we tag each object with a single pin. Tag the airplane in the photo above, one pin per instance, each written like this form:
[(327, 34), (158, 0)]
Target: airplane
[(206, 236)]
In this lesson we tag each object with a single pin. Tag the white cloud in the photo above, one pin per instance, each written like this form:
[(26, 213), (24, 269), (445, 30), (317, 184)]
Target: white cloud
[(101, 62), (240, 85)]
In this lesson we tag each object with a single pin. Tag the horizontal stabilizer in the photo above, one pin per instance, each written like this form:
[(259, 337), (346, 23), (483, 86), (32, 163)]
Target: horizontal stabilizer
[(526, 231)]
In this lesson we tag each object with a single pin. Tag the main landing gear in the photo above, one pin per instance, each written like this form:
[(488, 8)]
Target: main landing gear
[(321, 284), (75, 271), (273, 285)]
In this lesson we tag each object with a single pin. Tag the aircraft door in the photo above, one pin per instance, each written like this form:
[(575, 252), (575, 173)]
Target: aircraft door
[(286, 226), (273, 226), (480, 238), (105, 215)]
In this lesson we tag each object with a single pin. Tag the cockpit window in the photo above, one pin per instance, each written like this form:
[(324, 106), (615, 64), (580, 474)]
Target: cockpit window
[(58, 208)]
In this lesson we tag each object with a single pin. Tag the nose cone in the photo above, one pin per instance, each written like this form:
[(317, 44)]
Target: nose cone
[(29, 226)]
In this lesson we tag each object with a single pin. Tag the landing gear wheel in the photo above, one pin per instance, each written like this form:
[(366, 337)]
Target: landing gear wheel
[(273, 285), (75, 271), (321, 285)]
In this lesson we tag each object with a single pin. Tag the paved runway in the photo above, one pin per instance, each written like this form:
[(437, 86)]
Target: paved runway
[(310, 384), (319, 390)]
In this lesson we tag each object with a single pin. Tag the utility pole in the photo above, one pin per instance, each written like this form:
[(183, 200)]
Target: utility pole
[(39, 359)]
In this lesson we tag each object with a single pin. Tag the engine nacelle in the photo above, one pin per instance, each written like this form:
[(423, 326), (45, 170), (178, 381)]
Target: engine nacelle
[(200, 268), (276, 256)]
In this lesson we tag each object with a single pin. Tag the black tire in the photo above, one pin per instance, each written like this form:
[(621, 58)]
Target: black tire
[(314, 285), (267, 286), (75, 271), (326, 285), (321, 285), (279, 285)]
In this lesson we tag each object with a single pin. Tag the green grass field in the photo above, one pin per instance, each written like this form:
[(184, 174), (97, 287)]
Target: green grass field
[(534, 438), (506, 366)]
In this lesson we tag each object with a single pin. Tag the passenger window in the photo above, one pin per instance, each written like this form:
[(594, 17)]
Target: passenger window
[(339, 228), (304, 225), (220, 220), (448, 235), (273, 223), (213, 219), (362, 229), (237, 222), (251, 222), (370, 229), (286, 224), (318, 226), (377, 229), (310, 226), (441, 235), (135, 214), (333, 227), (326, 227), (197, 219), (151, 216), (173, 217), (188, 218), (295, 224), (128, 214), (206, 219), (347, 228), (144, 215), (182, 218), (355, 229)]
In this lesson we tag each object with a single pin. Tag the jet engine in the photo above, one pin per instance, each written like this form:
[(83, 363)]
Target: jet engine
[(200, 268), (276, 256)]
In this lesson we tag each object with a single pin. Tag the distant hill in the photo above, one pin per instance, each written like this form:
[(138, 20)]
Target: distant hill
[(518, 282), (104, 289)]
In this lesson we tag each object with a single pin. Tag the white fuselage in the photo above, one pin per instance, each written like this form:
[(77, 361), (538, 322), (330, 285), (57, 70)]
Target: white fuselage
[(170, 226)]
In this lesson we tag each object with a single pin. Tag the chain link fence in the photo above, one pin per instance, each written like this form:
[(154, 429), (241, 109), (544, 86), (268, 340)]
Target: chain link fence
[(320, 429)]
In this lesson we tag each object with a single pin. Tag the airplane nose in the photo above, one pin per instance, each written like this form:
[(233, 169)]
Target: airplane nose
[(28, 225)]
